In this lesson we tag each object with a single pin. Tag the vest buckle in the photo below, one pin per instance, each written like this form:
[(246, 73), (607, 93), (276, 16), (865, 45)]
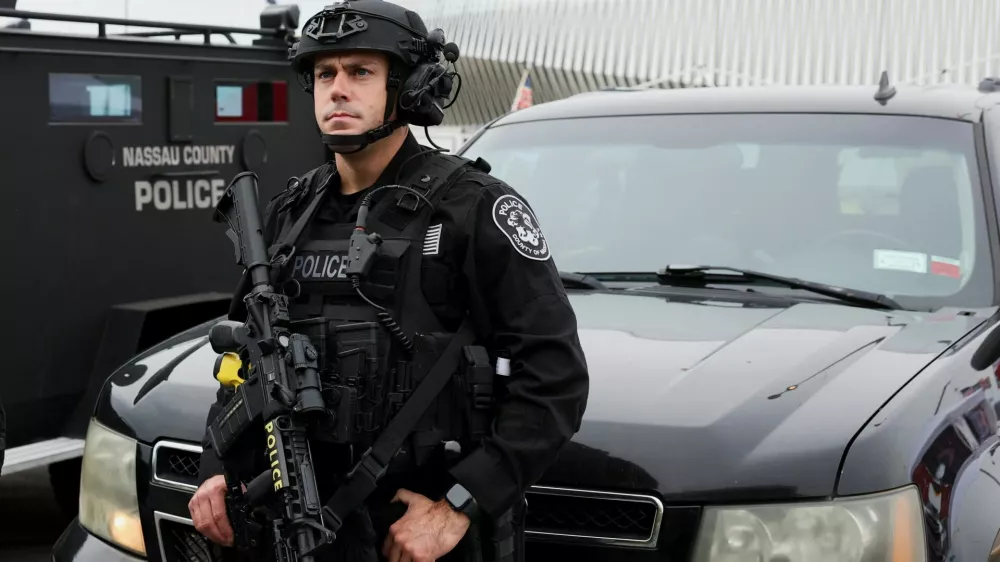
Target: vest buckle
[(372, 469), (409, 201), (279, 259), (478, 377)]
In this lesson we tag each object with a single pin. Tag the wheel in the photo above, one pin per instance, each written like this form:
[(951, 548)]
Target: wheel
[(64, 477)]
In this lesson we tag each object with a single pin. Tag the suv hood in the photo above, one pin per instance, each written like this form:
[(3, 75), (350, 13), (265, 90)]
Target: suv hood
[(696, 399)]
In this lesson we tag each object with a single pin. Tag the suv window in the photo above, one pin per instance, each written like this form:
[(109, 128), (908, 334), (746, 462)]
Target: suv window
[(890, 204)]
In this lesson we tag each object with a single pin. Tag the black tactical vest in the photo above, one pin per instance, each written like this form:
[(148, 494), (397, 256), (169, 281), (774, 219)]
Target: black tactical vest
[(371, 359)]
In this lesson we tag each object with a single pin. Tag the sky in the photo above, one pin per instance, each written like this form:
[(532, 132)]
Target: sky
[(232, 13)]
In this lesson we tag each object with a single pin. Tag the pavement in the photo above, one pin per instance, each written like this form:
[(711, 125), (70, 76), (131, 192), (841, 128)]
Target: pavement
[(31, 519)]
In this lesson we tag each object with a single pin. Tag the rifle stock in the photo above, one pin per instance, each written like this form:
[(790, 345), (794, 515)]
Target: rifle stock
[(238, 208), (280, 388)]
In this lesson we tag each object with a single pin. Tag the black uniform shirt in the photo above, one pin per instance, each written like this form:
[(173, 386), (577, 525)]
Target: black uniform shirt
[(490, 257), (337, 206)]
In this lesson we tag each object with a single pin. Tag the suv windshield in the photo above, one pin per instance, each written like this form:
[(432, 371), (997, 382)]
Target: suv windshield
[(888, 204)]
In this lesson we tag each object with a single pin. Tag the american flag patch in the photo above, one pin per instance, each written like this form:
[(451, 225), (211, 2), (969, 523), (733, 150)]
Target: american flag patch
[(432, 242)]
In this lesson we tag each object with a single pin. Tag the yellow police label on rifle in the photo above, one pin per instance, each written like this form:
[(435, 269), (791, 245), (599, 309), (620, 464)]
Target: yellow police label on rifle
[(272, 454)]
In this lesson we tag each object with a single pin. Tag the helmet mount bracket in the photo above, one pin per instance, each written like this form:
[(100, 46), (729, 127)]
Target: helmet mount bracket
[(315, 28)]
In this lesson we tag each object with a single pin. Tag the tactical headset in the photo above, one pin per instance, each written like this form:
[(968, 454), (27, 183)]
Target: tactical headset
[(414, 53)]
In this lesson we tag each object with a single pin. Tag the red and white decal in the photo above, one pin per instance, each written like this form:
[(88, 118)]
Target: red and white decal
[(946, 267)]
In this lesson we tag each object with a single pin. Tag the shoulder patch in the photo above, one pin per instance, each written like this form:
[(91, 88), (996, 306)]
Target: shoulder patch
[(520, 226)]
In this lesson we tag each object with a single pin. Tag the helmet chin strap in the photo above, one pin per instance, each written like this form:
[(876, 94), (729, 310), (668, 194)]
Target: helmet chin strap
[(350, 144)]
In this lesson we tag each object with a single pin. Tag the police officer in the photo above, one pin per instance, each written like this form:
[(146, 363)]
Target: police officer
[(452, 250)]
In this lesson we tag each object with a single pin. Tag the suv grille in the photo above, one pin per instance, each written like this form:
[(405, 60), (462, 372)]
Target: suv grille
[(554, 514), (179, 542), (176, 464), (609, 518)]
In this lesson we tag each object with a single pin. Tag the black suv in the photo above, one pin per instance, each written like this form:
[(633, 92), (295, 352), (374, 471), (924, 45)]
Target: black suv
[(779, 292)]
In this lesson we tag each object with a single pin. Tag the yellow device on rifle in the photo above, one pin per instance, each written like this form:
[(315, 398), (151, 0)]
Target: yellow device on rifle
[(227, 369)]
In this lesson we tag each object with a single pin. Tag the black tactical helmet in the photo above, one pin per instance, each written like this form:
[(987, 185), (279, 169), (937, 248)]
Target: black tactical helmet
[(417, 83), (365, 25)]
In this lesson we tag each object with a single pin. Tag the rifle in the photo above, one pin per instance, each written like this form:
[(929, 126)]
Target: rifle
[(282, 391)]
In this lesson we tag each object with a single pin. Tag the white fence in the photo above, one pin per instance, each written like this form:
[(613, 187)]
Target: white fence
[(579, 45)]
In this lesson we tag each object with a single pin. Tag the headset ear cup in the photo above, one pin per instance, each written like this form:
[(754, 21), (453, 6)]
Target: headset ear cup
[(417, 103), (442, 90), (306, 82)]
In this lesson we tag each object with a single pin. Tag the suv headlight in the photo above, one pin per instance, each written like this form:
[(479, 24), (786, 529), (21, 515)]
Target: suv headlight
[(884, 527), (109, 507)]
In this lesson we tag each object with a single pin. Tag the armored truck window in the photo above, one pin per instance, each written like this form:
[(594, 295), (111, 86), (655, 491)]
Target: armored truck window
[(94, 98), (259, 102)]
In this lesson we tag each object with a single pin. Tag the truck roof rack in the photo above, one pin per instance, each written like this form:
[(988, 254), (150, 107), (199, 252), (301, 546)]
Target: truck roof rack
[(278, 25)]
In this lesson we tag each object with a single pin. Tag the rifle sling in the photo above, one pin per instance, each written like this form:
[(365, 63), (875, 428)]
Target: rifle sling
[(290, 238), (363, 479)]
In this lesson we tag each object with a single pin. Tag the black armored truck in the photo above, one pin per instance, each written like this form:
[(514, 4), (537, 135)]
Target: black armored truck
[(117, 144)]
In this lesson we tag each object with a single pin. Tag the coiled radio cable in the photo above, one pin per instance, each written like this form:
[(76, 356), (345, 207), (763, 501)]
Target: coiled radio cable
[(364, 247)]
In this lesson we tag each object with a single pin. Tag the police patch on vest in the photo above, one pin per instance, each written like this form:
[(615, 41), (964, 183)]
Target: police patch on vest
[(315, 266), (519, 224)]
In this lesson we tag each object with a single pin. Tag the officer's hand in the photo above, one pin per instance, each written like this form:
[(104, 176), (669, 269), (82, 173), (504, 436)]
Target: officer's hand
[(208, 511), (427, 531)]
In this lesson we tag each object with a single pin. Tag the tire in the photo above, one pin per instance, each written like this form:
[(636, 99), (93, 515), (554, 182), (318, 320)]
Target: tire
[(64, 477)]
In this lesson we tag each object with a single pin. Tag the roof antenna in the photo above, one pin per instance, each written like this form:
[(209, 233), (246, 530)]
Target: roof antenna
[(885, 91)]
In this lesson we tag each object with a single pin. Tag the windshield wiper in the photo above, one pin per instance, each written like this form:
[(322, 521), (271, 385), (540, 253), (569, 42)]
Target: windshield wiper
[(580, 281), (674, 273)]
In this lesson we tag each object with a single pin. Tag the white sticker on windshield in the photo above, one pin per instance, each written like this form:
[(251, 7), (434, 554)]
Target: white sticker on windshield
[(914, 262)]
